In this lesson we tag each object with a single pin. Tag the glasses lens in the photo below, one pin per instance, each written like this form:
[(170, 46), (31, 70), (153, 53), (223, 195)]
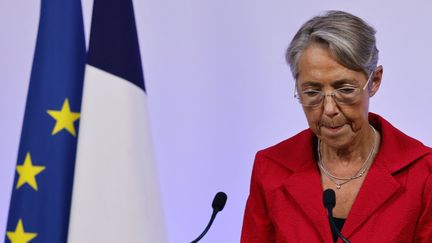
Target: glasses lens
[(347, 95), (311, 97)]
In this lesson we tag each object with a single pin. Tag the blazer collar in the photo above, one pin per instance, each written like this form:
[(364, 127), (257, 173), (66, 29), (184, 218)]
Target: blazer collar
[(397, 151)]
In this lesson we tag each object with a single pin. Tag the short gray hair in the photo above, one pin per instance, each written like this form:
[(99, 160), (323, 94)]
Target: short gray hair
[(347, 37)]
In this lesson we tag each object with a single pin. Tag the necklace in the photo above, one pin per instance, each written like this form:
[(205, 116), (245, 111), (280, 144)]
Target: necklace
[(358, 174)]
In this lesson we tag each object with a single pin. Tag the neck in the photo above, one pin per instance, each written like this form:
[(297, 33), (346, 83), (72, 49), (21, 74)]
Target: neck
[(356, 153)]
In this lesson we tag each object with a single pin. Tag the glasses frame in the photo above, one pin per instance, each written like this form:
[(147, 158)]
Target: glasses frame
[(332, 94)]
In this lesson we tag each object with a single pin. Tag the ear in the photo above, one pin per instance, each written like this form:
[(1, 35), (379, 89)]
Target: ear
[(376, 81)]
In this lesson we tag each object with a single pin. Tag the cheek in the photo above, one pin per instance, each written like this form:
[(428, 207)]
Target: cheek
[(313, 118), (356, 117)]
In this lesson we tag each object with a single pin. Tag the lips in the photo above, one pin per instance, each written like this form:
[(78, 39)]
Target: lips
[(333, 128)]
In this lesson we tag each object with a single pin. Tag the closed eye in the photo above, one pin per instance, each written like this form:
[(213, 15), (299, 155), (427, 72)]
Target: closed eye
[(311, 93), (347, 90)]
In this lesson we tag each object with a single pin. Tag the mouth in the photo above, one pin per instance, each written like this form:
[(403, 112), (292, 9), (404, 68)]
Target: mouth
[(332, 129)]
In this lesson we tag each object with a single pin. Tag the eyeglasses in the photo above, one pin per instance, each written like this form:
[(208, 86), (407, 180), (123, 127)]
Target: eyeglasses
[(343, 96)]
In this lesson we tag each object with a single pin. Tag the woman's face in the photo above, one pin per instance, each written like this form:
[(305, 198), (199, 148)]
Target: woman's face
[(337, 125)]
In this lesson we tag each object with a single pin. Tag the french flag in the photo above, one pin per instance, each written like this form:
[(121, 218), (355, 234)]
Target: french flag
[(116, 196)]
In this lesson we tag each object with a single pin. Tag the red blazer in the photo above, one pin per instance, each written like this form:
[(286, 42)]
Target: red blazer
[(394, 203)]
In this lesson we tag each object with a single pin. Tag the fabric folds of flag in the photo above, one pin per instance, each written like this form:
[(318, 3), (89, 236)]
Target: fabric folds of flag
[(41, 193), (115, 196)]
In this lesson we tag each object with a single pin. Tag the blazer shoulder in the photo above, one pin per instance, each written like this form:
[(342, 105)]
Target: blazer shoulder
[(397, 148), (291, 153)]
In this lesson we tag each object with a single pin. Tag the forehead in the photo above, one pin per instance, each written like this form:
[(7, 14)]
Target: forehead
[(317, 65)]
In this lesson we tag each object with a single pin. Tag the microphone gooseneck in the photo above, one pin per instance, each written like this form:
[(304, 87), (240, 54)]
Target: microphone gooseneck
[(329, 200), (217, 205)]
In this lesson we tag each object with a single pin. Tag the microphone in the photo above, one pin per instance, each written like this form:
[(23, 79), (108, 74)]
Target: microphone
[(329, 200), (217, 205)]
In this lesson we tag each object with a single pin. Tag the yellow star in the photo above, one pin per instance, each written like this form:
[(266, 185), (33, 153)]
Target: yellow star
[(27, 173), (20, 236), (64, 118)]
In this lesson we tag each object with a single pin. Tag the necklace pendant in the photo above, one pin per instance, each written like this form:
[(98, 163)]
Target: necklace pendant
[(338, 186)]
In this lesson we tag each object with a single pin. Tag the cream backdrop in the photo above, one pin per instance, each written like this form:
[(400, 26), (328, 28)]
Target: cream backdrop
[(219, 90)]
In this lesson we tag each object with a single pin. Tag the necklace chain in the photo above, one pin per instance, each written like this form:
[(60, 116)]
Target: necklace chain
[(358, 174)]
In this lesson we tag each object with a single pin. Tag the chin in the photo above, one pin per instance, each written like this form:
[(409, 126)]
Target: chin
[(336, 138)]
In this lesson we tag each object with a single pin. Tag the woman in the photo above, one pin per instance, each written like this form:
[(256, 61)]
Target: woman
[(382, 177)]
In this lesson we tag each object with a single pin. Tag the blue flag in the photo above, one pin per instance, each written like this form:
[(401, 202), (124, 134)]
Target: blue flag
[(40, 203)]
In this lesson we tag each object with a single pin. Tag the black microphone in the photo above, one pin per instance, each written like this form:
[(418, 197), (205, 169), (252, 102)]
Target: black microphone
[(218, 204), (329, 200)]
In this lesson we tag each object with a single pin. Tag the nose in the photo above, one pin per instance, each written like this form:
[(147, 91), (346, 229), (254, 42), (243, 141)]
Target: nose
[(330, 107)]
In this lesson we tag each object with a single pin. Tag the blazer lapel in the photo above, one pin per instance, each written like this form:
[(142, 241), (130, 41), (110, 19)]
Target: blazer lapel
[(304, 187), (379, 186)]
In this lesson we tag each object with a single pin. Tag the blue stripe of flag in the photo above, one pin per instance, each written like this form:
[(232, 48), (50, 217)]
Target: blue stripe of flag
[(114, 44)]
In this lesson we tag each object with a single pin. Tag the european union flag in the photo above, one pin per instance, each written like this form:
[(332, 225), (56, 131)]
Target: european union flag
[(40, 203)]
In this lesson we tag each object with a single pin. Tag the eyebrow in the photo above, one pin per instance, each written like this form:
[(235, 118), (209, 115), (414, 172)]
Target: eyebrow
[(334, 83), (344, 81), (311, 83)]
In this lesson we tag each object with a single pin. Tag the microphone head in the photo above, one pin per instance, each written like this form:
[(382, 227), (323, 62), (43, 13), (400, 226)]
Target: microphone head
[(219, 201), (329, 198)]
